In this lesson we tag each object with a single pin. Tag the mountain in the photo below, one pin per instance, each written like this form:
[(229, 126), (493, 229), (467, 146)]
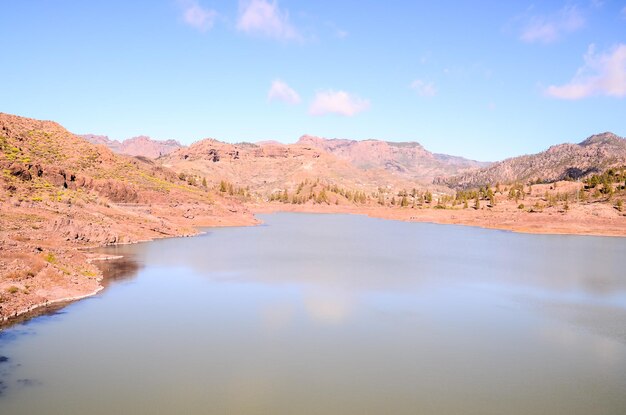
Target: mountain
[(58, 192), (270, 166), (137, 146), (409, 160), (364, 164), (564, 161), (43, 162)]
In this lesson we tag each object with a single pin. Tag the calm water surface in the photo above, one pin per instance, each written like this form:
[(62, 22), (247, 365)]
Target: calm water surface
[(335, 314)]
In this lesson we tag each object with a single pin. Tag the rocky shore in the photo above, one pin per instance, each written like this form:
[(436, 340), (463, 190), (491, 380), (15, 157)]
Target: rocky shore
[(46, 255)]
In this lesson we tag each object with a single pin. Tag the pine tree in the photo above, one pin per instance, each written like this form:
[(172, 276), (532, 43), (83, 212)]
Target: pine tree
[(428, 197), (491, 196)]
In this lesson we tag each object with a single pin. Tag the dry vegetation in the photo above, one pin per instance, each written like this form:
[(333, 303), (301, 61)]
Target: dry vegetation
[(59, 194)]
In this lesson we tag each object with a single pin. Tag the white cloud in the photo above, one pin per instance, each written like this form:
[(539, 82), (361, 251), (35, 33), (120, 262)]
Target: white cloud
[(337, 102), (341, 34), (602, 74), (265, 18), (280, 91), (196, 16), (548, 29), (423, 88)]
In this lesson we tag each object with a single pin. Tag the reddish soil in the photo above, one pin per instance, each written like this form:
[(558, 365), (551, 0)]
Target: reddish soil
[(43, 246)]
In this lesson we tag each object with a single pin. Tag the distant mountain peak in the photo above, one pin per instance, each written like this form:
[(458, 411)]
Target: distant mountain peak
[(141, 145), (562, 161), (409, 158), (603, 138)]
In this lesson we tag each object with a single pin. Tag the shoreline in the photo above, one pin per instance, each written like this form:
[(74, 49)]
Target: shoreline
[(41, 308), (540, 225), (490, 220)]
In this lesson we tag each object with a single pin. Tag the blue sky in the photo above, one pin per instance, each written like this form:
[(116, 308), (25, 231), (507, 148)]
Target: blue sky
[(485, 80)]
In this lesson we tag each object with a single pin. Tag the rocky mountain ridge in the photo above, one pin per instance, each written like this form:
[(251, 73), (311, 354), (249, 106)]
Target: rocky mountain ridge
[(370, 164), (268, 167), (44, 164), (559, 162), (407, 159), (136, 146)]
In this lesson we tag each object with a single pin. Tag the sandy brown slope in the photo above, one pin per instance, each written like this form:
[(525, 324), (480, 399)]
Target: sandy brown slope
[(59, 193), (270, 167), (594, 155), (409, 160)]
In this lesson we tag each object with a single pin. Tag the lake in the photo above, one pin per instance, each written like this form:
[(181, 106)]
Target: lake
[(335, 314)]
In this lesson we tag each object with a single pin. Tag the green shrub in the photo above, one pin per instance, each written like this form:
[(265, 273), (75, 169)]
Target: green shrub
[(50, 257)]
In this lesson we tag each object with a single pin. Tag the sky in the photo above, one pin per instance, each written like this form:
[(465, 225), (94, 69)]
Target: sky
[(480, 79)]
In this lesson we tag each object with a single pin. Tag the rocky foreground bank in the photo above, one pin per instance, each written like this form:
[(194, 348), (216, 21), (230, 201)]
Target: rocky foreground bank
[(45, 248)]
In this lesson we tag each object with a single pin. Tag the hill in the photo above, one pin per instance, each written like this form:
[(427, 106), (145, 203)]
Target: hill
[(560, 162), (409, 160), (270, 167), (59, 192)]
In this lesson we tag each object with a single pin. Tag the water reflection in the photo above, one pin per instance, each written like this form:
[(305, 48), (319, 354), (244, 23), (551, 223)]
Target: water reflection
[(336, 251), (119, 269), (328, 306)]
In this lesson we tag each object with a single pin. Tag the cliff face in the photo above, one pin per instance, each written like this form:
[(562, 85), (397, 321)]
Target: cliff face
[(270, 166), (564, 161)]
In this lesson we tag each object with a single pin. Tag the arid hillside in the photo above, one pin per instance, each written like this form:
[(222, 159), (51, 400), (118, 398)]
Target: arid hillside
[(137, 146), (59, 192), (409, 160), (564, 161), (267, 168)]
